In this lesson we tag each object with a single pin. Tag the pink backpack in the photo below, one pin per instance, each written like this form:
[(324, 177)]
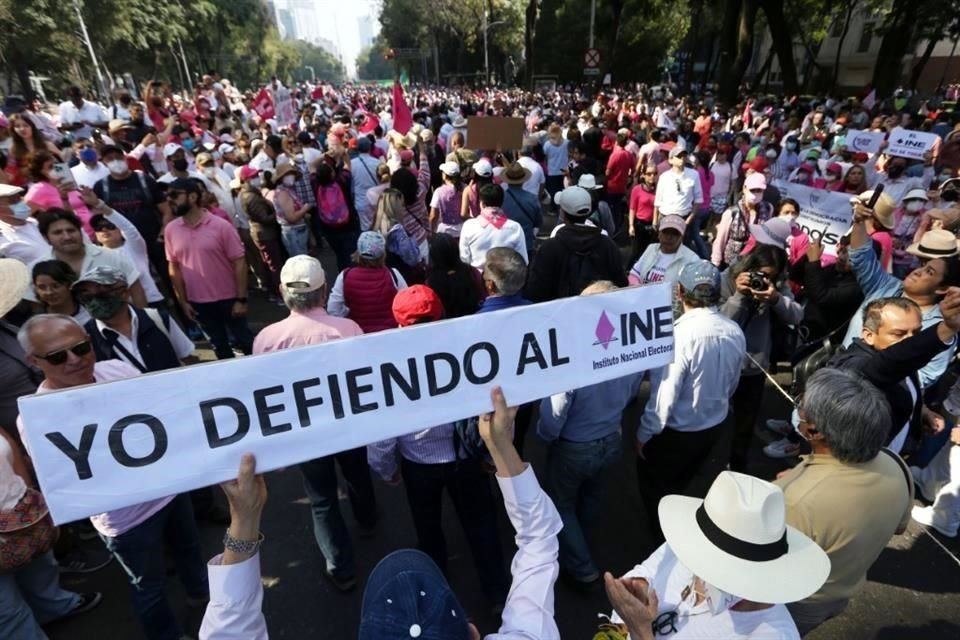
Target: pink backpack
[(332, 206)]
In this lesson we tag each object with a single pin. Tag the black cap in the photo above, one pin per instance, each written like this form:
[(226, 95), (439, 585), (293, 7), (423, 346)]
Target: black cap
[(187, 185), (111, 148), (98, 221)]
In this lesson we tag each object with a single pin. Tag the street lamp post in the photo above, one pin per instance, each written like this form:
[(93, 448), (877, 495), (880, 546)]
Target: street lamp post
[(486, 51), (313, 74)]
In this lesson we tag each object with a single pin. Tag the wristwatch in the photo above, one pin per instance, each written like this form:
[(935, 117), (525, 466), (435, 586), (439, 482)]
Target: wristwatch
[(242, 300), (241, 546)]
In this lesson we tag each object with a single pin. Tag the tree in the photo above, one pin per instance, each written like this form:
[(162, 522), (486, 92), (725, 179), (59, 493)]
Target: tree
[(371, 64), (898, 34)]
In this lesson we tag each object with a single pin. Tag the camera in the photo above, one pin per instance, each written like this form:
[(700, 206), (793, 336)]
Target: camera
[(758, 281)]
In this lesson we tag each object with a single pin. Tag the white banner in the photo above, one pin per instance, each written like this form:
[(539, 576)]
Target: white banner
[(286, 111), (101, 447), (864, 141), (824, 215), (910, 144)]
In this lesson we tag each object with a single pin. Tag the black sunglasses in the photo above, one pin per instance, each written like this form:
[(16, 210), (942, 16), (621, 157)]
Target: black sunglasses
[(59, 357)]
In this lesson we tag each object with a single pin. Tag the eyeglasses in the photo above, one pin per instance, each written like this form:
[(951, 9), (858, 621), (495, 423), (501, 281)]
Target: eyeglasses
[(105, 226), (59, 357), (665, 623)]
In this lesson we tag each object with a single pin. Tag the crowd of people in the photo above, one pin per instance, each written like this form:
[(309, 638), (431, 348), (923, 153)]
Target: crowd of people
[(131, 231)]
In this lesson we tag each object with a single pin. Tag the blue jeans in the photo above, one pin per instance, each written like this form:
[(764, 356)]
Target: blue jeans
[(216, 319), (575, 479), (295, 239), (694, 240), (329, 529), (140, 551), (31, 596)]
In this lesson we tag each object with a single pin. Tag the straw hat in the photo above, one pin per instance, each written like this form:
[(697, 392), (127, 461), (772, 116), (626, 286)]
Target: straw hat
[(14, 282), (283, 169), (936, 243), (516, 173)]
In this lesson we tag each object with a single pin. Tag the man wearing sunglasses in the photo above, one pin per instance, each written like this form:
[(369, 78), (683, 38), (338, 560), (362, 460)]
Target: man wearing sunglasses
[(60, 347)]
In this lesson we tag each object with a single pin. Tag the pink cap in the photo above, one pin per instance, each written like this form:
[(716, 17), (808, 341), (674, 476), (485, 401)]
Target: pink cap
[(755, 181)]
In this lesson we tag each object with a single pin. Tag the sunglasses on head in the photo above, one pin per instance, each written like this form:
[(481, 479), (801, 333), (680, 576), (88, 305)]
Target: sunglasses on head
[(105, 226), (59, 357)]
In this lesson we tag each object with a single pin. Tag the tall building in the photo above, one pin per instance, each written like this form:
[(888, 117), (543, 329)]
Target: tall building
[(365, 29), (286, 24)]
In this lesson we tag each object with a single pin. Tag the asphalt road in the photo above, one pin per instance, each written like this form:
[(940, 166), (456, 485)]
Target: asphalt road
[(913, 590)]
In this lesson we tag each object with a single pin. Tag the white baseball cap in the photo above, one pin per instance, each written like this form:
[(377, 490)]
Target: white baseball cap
[(450, 168), (170, 148), (575, 201), (302, 274)]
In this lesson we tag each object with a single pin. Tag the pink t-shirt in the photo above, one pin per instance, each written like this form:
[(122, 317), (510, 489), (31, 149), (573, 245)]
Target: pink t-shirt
[(220, 213), (641, 203), (300, 328), (205, 253), (886, 247), (119, 521), (46, 196)]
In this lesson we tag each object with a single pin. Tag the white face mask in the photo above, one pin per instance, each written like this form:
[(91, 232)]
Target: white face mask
[(771, 153), (752, 198), (254, 182), (210, 172), (298, 158), (289, 181), (914, 206), (717, 599), (117, 167)]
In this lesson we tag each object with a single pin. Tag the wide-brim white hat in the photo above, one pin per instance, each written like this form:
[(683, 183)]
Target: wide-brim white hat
[(14, 282), (737, 540)]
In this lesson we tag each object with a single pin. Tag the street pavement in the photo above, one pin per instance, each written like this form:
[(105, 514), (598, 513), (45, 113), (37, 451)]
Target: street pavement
[(913, 590)]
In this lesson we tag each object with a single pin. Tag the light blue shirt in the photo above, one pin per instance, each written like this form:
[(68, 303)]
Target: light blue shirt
[(875, 283), (557, 157), (693, 393), (588, 413)]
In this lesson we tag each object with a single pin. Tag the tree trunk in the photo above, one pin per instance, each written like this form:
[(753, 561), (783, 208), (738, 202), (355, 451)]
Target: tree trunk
[(744, 51), (764, 71), (851, 4), (529, 34), (897, 38), (728, 51), (922, 62), (696, 20), (780, 31), (23, 75), (617, 7)]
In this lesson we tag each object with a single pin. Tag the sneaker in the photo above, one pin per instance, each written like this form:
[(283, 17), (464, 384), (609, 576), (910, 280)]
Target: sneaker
[(783, 427), (917, 474), (342, 584), (83, 561), (781, 448), (927, 516), (87, 602)]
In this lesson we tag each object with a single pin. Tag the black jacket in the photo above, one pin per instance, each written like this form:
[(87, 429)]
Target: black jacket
[(576, 257), (889, 369), (156, 351), (833, 296)]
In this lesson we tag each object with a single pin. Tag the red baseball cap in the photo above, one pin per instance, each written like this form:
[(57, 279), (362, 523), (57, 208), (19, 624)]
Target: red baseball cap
[(416, 304), (247, 172), (758, 164)]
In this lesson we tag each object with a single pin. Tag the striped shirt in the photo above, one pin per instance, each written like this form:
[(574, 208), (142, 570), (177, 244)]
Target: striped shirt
[(416, 220), (429, 446)]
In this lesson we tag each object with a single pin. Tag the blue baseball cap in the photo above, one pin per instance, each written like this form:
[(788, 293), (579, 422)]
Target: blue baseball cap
[(701, 279), (407, 596)]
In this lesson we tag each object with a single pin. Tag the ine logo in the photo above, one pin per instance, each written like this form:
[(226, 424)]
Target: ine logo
[(605, 332), (653, 324)]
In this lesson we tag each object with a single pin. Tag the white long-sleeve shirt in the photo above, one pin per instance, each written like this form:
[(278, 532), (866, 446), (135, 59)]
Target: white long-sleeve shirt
[(479, 235), (135, 249), (693, 392), (236, 594)]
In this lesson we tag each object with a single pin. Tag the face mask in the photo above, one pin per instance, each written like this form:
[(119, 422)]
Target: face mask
[(752, 198), (88, 155), (895, 171), (298, 158), (210, 172), (771, 153), (104, 307), (20, 210), (717, 599), (254, 182), (117, 167), (913, 206), (180, 165), (289, 181), (188, 144), (791, 146)]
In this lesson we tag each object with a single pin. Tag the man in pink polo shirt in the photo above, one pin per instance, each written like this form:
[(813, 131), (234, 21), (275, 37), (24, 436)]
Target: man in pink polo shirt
[(137, 536), (303, 286), (208, 269)]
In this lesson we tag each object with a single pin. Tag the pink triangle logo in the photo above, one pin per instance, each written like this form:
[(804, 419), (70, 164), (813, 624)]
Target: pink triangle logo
[(604, 331)]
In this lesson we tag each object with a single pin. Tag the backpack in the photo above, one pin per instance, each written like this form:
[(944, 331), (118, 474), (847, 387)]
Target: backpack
[(144, 189), (332, 206), (578, 271)]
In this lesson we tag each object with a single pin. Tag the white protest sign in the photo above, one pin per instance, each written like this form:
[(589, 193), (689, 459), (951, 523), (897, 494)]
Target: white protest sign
[(910, 144), (102, 447), (864, 141), (824, 215), (286, 112)]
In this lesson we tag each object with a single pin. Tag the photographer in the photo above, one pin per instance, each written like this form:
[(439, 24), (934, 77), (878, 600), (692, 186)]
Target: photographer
[(753, 293)]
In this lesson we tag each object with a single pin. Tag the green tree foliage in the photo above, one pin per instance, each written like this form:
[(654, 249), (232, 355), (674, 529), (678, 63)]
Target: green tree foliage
[(371, 64), (236, 38)]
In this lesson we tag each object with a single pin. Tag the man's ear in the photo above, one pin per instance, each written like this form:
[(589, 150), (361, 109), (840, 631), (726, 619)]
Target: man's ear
[(868, 336)]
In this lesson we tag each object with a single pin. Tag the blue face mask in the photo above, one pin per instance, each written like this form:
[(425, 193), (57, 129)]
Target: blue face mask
[(20, 210), (188, 144), (88, 155)]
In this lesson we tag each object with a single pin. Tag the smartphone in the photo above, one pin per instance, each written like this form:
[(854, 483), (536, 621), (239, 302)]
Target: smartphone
[(61, 171)]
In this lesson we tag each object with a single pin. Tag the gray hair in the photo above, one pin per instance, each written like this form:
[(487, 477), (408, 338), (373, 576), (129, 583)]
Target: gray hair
[(852, 414), (298, 301), (26, 331), (505, 266), (873, 312)]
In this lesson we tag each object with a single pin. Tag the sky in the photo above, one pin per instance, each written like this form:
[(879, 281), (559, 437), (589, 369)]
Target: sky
[(339, 24)]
